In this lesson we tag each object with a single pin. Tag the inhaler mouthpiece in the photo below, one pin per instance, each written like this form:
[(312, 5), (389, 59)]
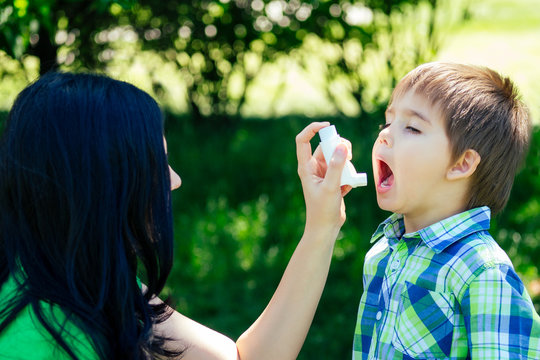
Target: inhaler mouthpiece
[(329, 141)]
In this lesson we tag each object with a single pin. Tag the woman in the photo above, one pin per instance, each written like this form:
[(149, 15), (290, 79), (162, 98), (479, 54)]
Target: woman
[(85, 211)]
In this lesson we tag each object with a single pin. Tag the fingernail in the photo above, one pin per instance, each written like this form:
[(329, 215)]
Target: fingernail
[(340, 153)]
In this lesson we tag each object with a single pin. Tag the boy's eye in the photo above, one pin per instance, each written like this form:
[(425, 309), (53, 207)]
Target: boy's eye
[(413, 130), (383, 126)]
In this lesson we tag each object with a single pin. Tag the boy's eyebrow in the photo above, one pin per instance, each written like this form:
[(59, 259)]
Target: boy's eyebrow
[(411, 112), (408, 112)]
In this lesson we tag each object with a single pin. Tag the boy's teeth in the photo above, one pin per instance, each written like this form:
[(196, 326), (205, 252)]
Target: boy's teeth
[(388, 181)]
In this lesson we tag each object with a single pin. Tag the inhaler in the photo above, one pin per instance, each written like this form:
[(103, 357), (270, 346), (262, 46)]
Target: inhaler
[(329, 141)]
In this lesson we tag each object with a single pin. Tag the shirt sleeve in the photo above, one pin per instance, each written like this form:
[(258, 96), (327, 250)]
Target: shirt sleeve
[(499, 316)]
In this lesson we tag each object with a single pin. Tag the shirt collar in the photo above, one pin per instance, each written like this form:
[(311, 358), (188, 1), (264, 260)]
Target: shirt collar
[(439, 235), (391, 228)]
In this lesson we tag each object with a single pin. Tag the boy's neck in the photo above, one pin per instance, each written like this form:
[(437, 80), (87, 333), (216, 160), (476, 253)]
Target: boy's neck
[(449, 200), (414, 223)]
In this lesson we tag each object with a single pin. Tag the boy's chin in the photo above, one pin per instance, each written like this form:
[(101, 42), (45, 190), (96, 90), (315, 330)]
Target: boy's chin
[(384, 204)]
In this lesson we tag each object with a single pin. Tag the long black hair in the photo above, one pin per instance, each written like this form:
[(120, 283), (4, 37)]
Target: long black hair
[(85, 209)]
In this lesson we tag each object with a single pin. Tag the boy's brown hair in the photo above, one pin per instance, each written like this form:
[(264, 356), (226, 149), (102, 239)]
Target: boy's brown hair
[(483, 112)]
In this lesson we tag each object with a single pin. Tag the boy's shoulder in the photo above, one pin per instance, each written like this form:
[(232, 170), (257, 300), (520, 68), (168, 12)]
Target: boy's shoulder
[(474, 254), (477, 250), (447, 256)]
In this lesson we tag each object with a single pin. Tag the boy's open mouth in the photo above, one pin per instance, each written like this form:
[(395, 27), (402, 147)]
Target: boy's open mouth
[(386, 176)]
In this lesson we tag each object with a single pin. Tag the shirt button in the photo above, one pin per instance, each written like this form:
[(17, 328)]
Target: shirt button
[(395, 264), (378, 316)]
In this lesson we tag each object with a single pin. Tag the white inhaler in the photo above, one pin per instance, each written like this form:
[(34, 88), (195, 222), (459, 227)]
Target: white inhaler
[(329, 141)]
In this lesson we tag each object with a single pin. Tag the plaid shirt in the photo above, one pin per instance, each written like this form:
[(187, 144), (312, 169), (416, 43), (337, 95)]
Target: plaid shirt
[(447, 291)]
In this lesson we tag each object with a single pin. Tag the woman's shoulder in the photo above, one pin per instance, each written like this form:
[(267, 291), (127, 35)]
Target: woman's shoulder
[(25, 337)]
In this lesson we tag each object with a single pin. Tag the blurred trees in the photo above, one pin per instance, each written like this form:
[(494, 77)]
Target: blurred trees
[(40, 27), (220, 46)]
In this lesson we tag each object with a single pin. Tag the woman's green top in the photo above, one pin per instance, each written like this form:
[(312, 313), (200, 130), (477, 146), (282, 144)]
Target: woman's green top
[(26, 338)]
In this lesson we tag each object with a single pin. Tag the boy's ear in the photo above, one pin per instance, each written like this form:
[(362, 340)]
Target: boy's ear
[(465, 165)]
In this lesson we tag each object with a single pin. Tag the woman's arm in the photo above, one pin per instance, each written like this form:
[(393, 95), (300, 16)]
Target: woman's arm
[(281, 329)]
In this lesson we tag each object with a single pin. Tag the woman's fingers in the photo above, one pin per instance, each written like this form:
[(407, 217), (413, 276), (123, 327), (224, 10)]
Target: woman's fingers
[(335, 168), (345, 190), (303, 145), (349, 148)]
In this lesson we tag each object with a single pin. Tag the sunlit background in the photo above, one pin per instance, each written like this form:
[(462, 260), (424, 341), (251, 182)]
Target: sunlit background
[(237, 79)]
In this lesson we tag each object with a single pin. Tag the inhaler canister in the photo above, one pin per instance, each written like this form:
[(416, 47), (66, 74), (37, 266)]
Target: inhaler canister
[(329, 141)]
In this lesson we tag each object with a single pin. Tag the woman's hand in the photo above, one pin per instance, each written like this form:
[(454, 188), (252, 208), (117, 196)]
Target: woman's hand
[(325, 209)]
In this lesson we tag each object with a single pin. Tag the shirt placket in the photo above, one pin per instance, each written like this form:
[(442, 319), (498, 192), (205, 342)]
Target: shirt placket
[(381, 315), (390, 294)]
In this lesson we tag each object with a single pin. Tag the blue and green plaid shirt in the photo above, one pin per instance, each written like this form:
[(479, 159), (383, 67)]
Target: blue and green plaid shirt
[(447, 291)]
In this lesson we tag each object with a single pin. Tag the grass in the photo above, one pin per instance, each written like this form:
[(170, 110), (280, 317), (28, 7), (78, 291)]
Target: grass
[(503, 35)]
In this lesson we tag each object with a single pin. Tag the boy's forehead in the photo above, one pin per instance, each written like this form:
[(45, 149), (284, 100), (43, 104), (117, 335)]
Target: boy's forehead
[(414, 103)]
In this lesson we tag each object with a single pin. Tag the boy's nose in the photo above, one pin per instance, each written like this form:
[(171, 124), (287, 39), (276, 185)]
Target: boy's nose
[(384, 138)]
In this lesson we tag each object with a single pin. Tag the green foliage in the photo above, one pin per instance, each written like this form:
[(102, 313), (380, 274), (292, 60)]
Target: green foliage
[(220, 46), (18, 21), (3, 117), (22, 22)]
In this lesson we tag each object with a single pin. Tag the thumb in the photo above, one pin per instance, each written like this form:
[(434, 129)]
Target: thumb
[(335, 168)]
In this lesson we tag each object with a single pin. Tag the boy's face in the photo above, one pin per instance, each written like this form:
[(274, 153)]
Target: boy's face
[(411, 158)]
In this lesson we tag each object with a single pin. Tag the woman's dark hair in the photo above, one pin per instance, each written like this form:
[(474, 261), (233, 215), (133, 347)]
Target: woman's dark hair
[(85, 209)]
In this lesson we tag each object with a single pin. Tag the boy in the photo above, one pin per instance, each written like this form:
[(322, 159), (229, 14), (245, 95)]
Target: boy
[(436, 284)]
